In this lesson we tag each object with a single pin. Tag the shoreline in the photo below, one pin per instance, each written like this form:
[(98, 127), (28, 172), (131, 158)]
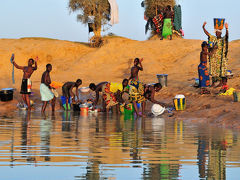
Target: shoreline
[(200, 109), (178, 58)]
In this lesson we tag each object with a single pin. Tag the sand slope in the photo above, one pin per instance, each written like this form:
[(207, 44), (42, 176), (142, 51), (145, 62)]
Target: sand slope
[(71, 60), (179, 58)]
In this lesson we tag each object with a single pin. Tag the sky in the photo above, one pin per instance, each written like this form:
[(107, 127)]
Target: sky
[(52, 19)]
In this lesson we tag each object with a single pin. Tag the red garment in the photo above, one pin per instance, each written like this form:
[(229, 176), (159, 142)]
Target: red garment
[(225, 87), (158, 22)]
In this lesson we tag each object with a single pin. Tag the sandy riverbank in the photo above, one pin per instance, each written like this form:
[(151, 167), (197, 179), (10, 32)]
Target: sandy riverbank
[(178, 58)]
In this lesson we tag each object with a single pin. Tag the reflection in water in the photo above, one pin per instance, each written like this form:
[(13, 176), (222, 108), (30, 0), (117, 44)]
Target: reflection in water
[(203, 147), (217, 159), (161, 171), (66, 121), (106, 146), (26, 143), (45, 129), (163, 168), (215, 151)]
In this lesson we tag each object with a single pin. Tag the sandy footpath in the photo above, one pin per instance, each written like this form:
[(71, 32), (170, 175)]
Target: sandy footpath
[(178, 58)]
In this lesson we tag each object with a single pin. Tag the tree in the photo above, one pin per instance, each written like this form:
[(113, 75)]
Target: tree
[(99, 9), (153, 6)]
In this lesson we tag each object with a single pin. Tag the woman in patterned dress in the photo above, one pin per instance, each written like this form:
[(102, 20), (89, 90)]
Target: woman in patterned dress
[(218, 61)]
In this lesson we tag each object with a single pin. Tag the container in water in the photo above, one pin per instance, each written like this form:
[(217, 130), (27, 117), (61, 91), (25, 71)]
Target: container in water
[(157, 109), (84, 89), (162, 79), (76, 107), (6, 95), (139, 105), (84, 109), (123, 110), (179, 102)]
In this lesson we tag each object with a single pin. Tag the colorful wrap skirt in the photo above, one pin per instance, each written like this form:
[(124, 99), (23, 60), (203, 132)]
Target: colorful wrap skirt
[(167, 27), (203, 75), (26, 87), (108, 96), (136, 92)]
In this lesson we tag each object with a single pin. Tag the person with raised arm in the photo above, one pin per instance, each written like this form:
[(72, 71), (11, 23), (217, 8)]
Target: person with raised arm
[(218, 62), (26, 86)]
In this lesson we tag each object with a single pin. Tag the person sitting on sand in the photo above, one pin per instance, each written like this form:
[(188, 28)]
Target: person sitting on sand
[(218, 61), (45, 89), (67, 91), (26, 82)]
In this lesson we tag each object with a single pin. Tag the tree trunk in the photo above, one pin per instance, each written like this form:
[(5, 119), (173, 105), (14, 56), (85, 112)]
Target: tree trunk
[(97, 32)]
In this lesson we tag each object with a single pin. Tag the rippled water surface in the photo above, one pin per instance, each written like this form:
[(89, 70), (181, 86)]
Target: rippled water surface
[(68, 146)]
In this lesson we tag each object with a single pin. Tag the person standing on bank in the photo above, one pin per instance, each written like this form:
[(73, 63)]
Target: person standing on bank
[(26, 87), (45, 89), (218, 61), (167, 23)]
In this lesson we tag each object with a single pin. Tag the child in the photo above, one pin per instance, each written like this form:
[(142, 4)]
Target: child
[(204, 80), (224, 87)]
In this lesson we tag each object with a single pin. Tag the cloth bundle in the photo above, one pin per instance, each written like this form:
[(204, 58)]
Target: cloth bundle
[(46, 93), (11, 60), (56, 85), (114, 12), (177, 17), (167, 27), (158, 21), (229, 92)]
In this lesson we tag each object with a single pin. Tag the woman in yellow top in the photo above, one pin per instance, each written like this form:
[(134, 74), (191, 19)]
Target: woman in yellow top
[(112, 92)]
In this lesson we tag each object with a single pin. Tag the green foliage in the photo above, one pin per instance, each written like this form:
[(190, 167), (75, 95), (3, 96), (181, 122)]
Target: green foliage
[(153, 6), (98, 8)]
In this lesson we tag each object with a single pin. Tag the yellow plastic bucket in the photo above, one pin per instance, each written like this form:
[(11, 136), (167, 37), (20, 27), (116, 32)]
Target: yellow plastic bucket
[(179, 102)]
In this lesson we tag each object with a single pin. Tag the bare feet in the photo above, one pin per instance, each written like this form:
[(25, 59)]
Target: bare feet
[(205, 91)]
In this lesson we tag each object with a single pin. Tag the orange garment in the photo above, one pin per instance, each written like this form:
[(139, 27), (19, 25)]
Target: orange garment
[(56, 85)]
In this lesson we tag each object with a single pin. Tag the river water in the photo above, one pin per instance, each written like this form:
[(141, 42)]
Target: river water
[(69, 146)]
